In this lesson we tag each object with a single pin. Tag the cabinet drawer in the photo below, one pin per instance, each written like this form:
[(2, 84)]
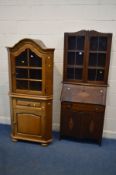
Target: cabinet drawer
[(86, 107), (66, 105), (82, 107), (27, 103)]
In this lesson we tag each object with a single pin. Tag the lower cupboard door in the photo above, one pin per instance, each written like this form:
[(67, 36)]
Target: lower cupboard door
[(29, 124)]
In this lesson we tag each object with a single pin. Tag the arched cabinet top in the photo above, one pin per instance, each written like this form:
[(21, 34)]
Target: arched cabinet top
[(26, 42)]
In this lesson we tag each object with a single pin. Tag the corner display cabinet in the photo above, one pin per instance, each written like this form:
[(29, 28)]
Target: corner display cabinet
[(83, 97), (31, 91)]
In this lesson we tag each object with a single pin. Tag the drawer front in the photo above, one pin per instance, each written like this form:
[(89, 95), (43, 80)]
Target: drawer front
[(86, 107), (23, 102), (83, 107), (66, 105), (27, 103)]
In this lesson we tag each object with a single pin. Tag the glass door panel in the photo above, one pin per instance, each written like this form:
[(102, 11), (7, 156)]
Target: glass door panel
[(34, 60), (70, 73), (100, 75), (94, 43), (71, 42), (36, 86), (102, 43), (93, 59), (35, 74), (98, 43), (95, 74), (101, 59), (28, 68), (78, 73), (21, 73), (80, 42), (75, 57), (79, 58), (22, 84), (71, 58), (97, 59), (92, 74), (76, 42), (21, 60)]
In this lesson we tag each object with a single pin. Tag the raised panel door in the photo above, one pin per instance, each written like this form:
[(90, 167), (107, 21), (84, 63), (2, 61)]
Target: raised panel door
[(70, 122), (27, 123), (92, 126)]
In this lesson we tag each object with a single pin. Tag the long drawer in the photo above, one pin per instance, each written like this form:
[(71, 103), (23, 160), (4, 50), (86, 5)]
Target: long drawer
[(28, 103), (83, 107)]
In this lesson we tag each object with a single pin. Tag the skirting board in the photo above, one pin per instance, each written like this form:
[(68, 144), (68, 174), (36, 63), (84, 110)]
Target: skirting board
[(4, 120), (56, 127)]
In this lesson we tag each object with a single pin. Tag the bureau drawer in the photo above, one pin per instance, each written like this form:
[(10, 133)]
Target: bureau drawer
[(87, 107), (27, 103), (66, 105), (82, 107)]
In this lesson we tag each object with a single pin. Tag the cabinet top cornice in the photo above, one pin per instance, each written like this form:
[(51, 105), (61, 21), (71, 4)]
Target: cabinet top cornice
[(87, 31), (36, 43)]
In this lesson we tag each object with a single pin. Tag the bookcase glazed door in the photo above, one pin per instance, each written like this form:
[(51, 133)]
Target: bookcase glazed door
[(98, 57), (74, 56)]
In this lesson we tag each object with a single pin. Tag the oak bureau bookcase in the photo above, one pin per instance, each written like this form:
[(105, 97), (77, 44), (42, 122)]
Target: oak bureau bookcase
[(31, 91), (83, 97)]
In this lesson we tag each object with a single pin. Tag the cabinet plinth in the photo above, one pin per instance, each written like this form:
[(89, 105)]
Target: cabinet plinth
[(85, 75), (31, 91)]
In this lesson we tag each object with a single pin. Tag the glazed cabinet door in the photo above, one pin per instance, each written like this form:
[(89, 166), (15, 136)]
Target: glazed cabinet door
[(74, 56), (99, 46), (28, 71)]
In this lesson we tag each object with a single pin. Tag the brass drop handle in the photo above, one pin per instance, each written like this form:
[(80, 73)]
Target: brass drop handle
[(22, 61), (34, 105)]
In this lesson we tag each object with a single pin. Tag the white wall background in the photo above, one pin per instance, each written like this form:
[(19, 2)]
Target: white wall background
[(47, 20)]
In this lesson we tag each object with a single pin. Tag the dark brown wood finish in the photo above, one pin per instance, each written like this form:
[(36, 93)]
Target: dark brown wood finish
[(85, 51), (85, 76), (31, 91)]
